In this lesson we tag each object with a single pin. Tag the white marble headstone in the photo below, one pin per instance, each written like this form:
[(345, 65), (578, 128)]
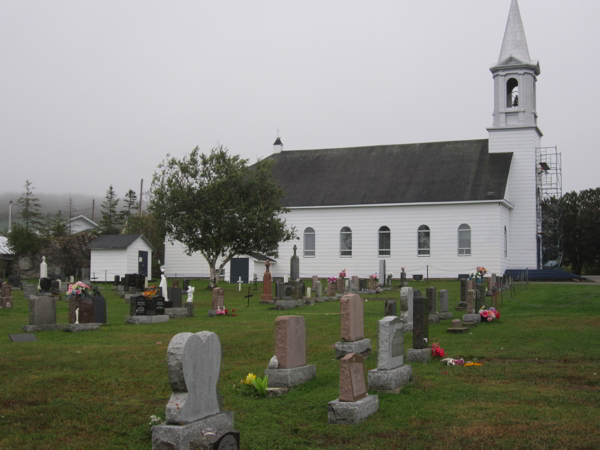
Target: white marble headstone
[(407, 293)]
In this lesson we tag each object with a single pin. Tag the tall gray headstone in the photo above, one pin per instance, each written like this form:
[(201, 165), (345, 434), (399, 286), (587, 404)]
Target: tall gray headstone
[(390, 352), (42, 310), (420, 323), (295, 266), (406, 295), (431, 296), (382, 273), (443, 300)]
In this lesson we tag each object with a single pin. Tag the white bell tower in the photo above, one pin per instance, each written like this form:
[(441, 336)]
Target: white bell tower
[(515, 130)]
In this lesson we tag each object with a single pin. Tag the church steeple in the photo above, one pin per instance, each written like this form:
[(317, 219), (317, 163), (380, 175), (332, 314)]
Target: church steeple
[(515, 77), (514, 43)]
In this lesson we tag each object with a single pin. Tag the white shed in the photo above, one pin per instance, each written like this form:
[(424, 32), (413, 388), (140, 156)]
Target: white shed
[(120, 254)]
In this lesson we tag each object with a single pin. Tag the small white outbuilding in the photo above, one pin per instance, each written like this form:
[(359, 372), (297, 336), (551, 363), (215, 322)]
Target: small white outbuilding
[(120, 254)]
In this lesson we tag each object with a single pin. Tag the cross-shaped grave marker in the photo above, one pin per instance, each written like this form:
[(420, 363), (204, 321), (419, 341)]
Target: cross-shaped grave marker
[(248, 296), (239, 282)]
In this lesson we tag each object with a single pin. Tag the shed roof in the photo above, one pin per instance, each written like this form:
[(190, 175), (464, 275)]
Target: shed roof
[(452, 171), (5, 250), (117, 241)]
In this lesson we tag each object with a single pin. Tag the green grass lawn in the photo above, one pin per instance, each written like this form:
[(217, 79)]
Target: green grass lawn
[(539, 386)]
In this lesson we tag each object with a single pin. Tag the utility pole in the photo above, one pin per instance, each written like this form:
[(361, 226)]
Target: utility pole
[(141, 195), (10, 216), (93, 206)]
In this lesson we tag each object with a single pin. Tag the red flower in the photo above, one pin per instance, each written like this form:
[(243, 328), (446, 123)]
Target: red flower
[(484, 313), (497, 314)]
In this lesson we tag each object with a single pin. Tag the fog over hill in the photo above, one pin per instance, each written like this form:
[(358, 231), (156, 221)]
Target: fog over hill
[(52, 203)]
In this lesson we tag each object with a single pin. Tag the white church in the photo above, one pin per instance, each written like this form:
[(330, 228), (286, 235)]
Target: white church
[(441, 208)]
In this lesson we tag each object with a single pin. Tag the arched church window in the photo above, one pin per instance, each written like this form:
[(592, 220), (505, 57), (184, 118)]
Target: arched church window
[(464, 240), (385, 241), (512, 93), (345, 242), (423, 241), (309, 243)]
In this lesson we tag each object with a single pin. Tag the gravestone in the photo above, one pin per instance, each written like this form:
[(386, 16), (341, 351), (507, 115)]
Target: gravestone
[(45, 284), (341, 284), (294, 266), (85, 306), (352, 324), (353, 385), (444, 314), (298, 289), (290, 352), (382, 273), (420, 323), (416, 293), (193, 411), (462, 304), (15, 281), (267, 295), (354, 404), (363, 284), (315, 281), (42, 310), (117, 280), (99, 309), (6, 300), (142, 306), (480, 299), (330, 289), (279, 290), (55, 287), (218, 298), (420, 351), (390, 308), (186, 285), (391, 373), (27, 337), (288, 291), (43, 268), (290, 341), (406, 297), (352, 318), (319, 289), (174, 296), (431, 296), (355, 283), (175, 283), (471, 302), (403, 282)]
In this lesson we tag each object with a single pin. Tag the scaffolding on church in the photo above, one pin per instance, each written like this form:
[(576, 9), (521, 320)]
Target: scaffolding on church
[(549, 209)]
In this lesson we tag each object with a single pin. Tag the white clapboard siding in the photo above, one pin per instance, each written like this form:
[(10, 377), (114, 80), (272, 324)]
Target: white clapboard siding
[(133, 254), (522, 142), (486, 220), (106, 263)]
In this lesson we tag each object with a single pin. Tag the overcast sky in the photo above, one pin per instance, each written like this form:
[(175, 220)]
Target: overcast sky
[(94, 93)]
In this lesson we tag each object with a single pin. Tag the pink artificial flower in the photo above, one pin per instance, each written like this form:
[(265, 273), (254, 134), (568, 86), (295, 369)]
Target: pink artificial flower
[(484, 313), (489, 319)]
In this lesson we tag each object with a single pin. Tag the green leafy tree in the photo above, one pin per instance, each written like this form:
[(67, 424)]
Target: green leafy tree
[(110, 218), (216, 205), (130, 206), (71, 209), (30, 208), (24, 242)]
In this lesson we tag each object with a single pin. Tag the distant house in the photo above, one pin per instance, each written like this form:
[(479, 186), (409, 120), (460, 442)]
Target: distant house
[(79, 224), (119, 254), (6, 254)]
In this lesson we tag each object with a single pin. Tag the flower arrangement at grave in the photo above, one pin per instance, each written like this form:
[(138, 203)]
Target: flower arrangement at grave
[(437, 351), (79, 288), (453, 362), (332, 279), (343, 274), (258, 385), (150, 292), (222, 311), (489, 315), (390, 276), (478, 274), (374, 277)]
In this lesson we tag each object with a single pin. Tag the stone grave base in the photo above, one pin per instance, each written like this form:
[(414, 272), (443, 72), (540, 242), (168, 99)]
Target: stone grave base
[(178, 313), (140, 320), (180, 437), (286, 304), (434, 318), (462, 306), (389, 380), (362, 348), (221, 440), (471, 318), (268, 302), (276, 392), (445, 315), (469, 324), (352, 412), (421, 355), (286, 378), (71, 327), (458, 330)]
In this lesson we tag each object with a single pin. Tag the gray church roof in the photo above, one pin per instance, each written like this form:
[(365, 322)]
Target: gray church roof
[(117, 241), (452, 171)]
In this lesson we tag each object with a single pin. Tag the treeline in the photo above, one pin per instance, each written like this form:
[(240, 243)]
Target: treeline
[(51, 204), (577, 215)]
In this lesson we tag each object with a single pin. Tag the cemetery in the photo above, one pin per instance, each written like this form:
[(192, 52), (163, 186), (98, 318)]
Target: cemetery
[(531, 368)]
